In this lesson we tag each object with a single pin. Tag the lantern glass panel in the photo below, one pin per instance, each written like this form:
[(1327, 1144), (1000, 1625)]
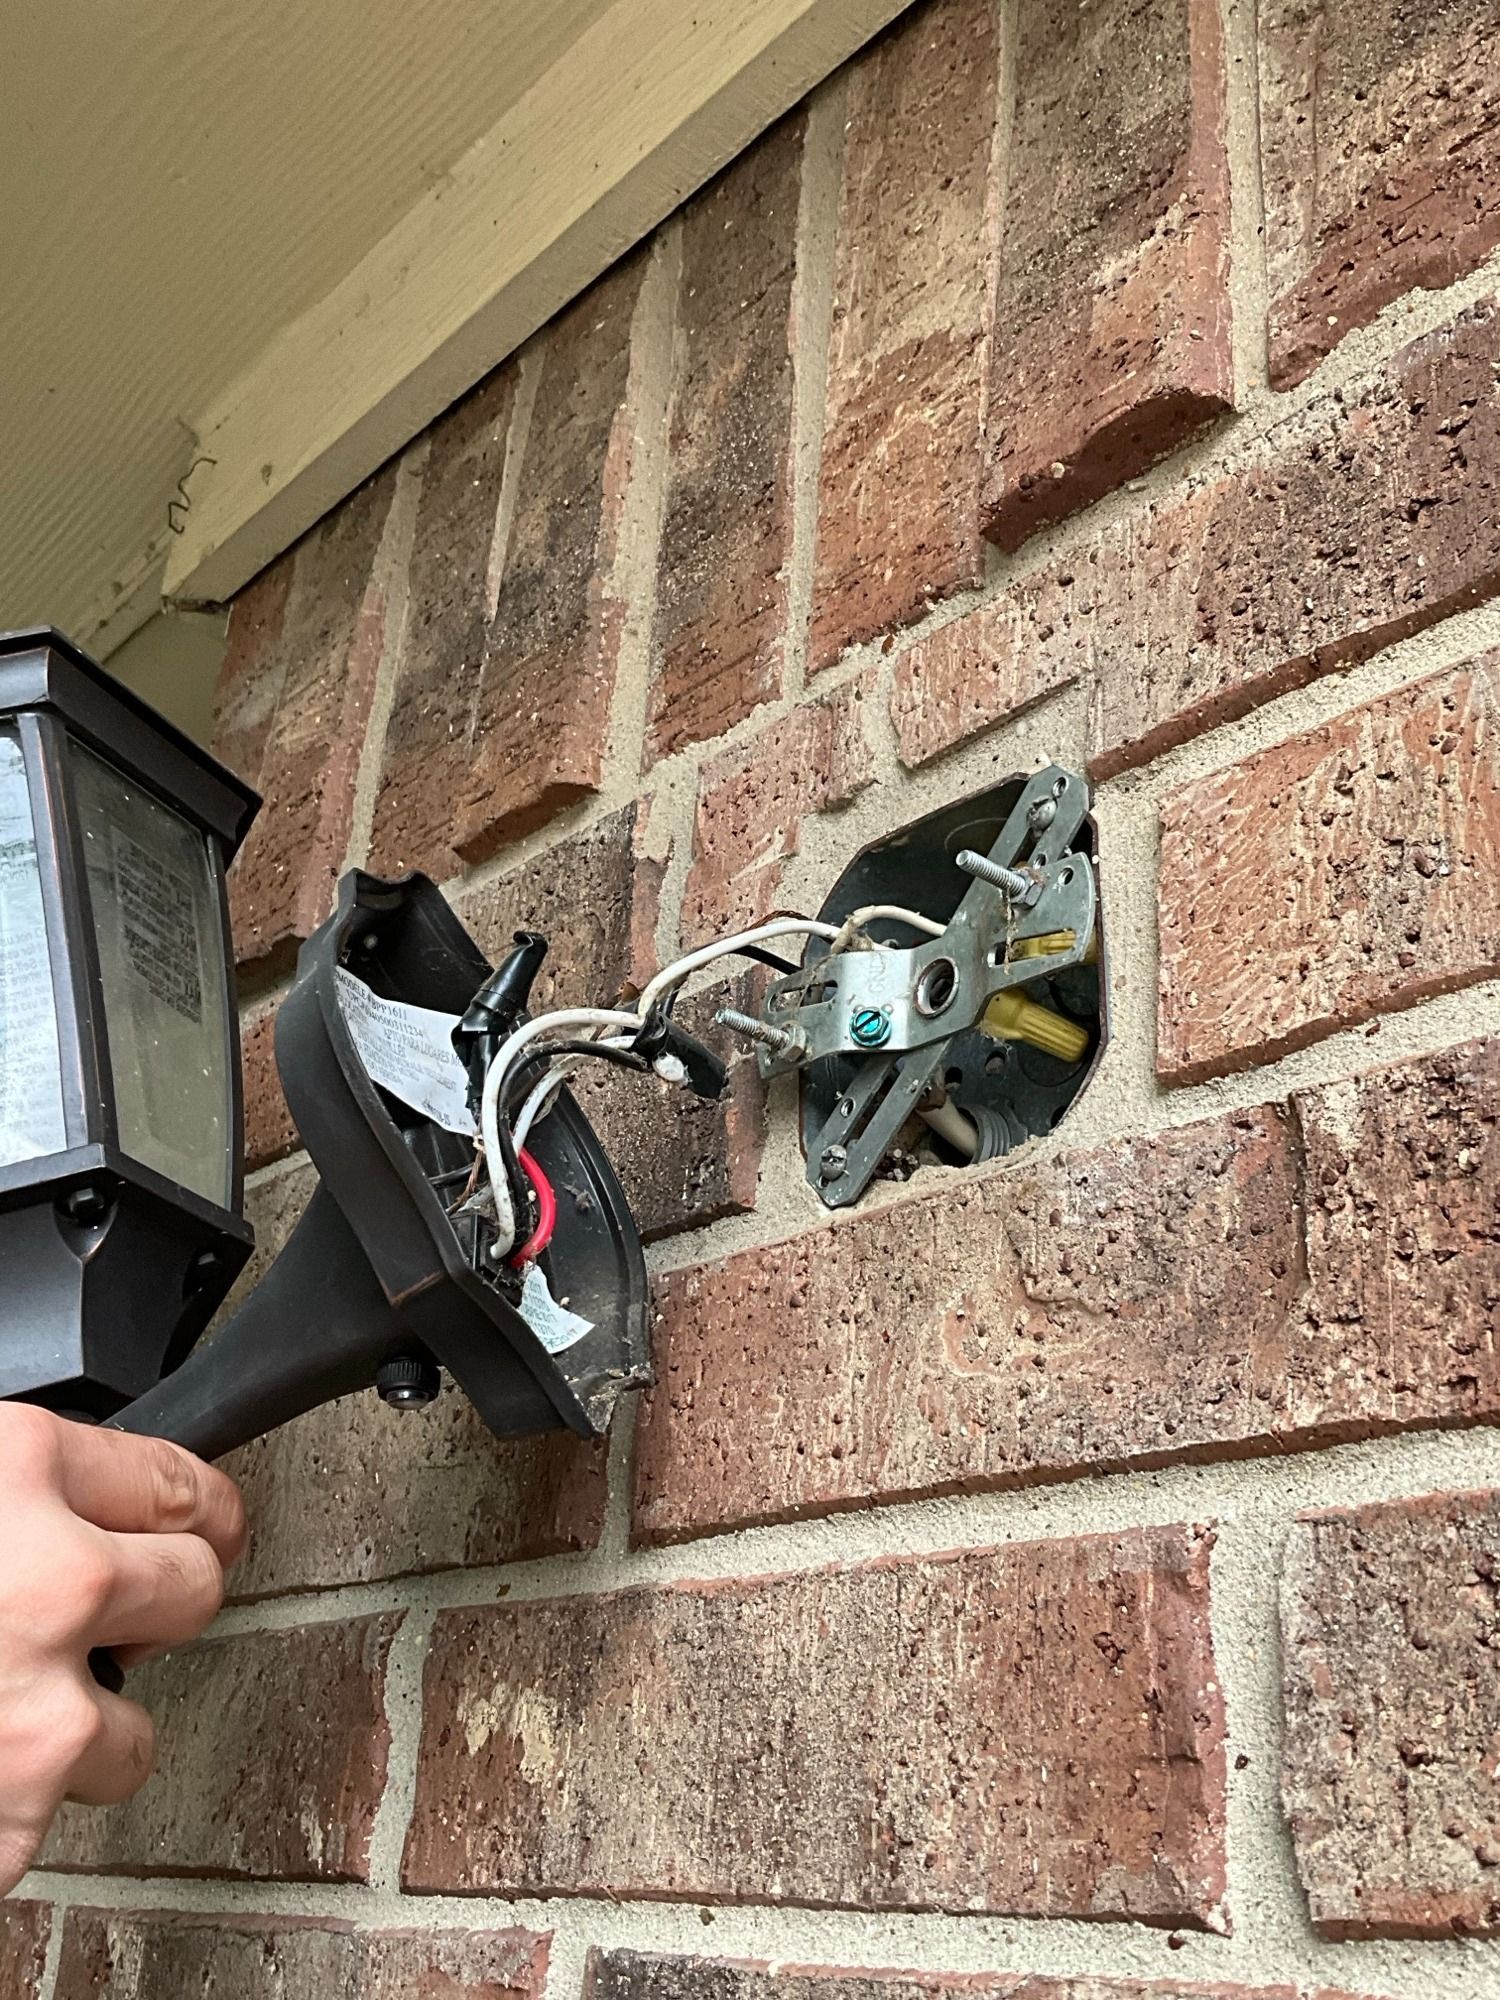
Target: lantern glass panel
[(156, 916), (31, 1098)]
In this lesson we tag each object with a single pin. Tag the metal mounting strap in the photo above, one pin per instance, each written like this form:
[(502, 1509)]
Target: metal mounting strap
[(866, 1119), (896, 998)]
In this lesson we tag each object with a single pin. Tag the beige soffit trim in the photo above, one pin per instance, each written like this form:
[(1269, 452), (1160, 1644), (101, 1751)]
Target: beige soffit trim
[(644, 107)]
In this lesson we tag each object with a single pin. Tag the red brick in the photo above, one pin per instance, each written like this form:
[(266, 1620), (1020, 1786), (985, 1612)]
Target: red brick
[(683, 1161), (354, 1492), (752, 801), (727, 523), (1390, 1637), (1271, 1279), (269, 1131), (903, 457), (631, 1975), (868, 1738), (1403, 1238), (1369, 517), (966, 676), (1370, 521), (1112, 340), (253, 668), (271, 1758), (291, 707), (24, 1931), (686, 1161), (594, 898), (166, 1956), (1380, 150), (943, 1343), (428, 740), (1339, 875), (539, 717)]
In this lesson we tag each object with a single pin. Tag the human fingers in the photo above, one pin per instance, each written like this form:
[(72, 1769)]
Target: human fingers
[(116, 1753), (164, 1590), (143, 1485)]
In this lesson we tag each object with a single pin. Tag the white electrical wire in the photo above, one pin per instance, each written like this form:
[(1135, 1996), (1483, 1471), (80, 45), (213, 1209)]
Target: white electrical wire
[(672, 976), (953, 1125), (494, 1081), (918, 922), (667, 980), (539, 1098), (663, 983)]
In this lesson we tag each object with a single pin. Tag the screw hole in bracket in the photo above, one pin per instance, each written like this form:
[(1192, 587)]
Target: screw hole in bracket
[(936, 988)]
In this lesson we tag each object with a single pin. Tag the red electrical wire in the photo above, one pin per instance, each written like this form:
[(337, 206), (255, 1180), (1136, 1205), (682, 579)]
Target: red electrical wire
[(546, 1211)]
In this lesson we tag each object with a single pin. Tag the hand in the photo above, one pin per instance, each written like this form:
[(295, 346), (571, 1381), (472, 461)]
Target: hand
[(105, 1540)]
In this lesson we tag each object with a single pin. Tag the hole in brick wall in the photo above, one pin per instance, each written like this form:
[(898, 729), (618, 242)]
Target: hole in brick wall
[(1005, 1085)]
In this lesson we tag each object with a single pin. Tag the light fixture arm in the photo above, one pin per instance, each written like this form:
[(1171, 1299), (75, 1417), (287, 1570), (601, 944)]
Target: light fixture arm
[(317, 1326)]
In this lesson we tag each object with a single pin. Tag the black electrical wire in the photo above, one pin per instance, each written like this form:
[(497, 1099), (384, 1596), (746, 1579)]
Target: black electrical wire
[(757, 952), (521, 1197), (530, 1067), (764, 957), (527, 1070)]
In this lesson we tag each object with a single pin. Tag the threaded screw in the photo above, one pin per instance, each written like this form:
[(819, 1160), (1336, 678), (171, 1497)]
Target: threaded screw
[(870, 1026), (781, 1040), (1007, 880)]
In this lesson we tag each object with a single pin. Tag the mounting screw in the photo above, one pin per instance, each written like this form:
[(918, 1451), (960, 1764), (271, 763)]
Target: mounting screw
[(1041, 813), (408, 1382), (782, 1040), (86, 1205), (832, 1162), (1007, 880), (870, 1026), (204, 1268)]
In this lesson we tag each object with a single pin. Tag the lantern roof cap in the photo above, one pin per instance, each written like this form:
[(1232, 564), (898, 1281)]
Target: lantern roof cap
[(41, 667)]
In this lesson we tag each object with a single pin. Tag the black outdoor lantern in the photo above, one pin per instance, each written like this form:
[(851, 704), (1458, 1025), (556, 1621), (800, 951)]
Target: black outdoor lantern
[(121, 1228), (120, 1118)]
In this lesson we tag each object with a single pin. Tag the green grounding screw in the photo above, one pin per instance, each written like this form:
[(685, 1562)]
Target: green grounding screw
[(870, 1026)]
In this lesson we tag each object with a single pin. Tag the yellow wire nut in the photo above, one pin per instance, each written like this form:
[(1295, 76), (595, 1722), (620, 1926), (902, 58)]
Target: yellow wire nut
[(1052, 942), (1011, 1017)]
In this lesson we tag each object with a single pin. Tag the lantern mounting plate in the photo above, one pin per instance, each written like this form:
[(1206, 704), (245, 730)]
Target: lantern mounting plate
[(376, 1273)]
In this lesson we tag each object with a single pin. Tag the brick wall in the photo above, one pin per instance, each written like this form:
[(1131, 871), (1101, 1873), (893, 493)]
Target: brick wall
[(1077, 1580)]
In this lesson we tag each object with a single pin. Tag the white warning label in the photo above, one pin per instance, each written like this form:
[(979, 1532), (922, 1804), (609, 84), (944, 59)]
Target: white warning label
[(408, 1051), (154, 901), (554, 1326)]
